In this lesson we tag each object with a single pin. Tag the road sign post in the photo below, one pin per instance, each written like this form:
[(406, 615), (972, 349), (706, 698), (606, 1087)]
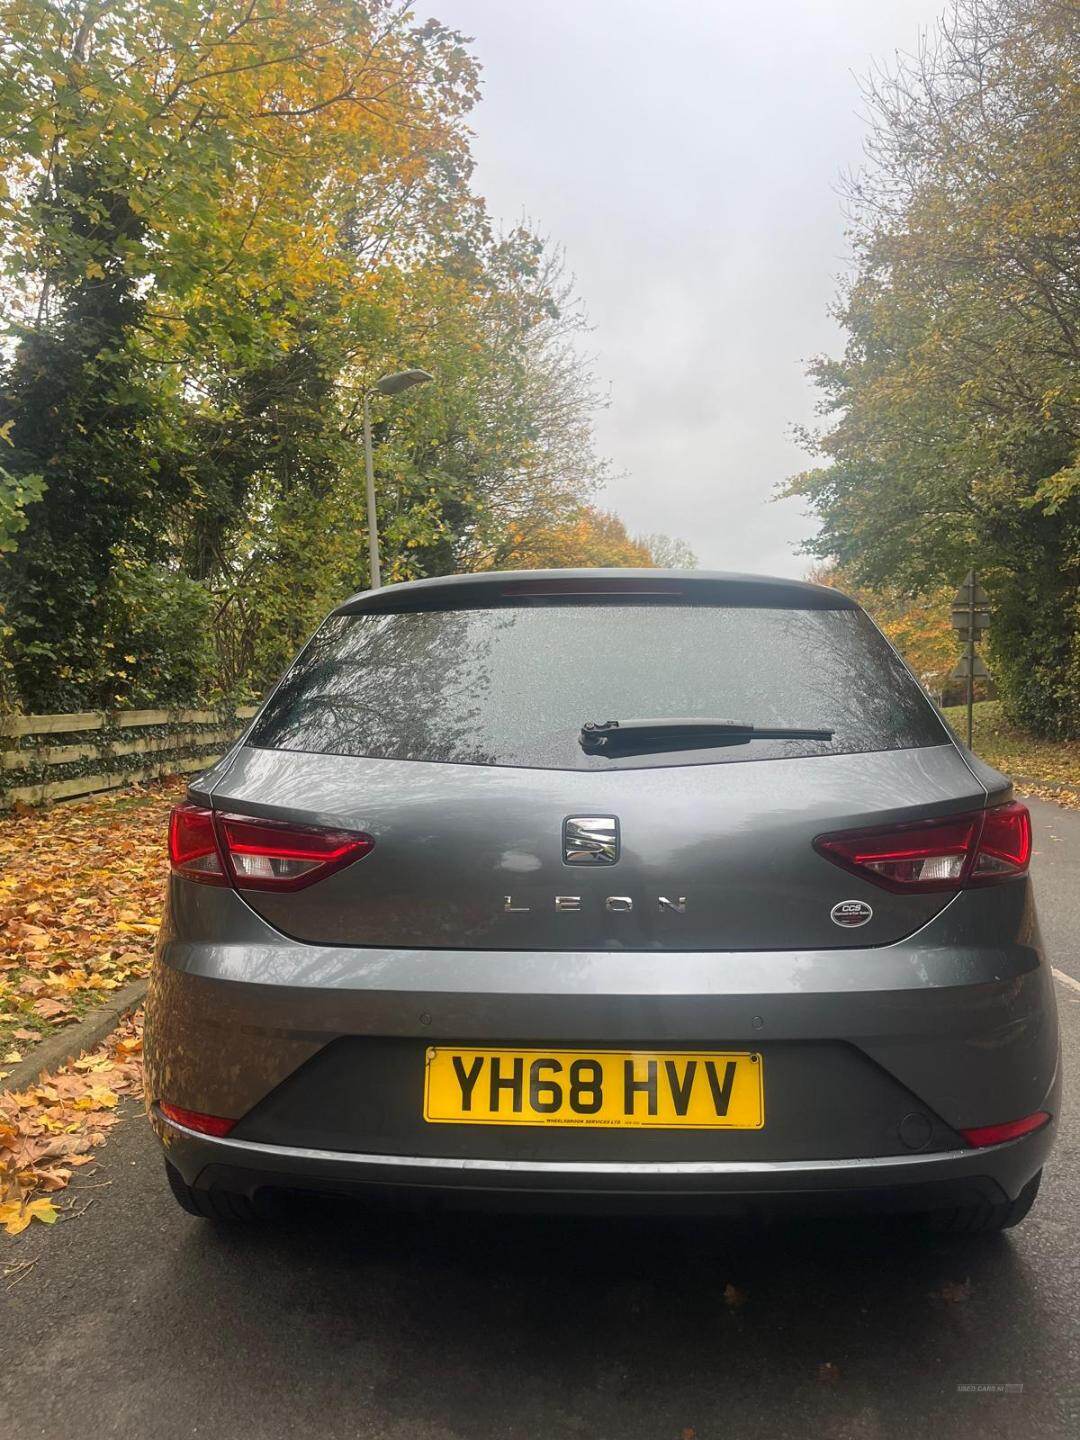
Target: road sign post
[(971, 665), (970, 614)]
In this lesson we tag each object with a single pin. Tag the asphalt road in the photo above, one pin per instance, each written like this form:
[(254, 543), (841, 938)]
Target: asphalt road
[(138, 1321)]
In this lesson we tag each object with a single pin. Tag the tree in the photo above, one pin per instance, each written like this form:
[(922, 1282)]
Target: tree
[(919, 626), (954, 413), (588, 538), (219, 224), (668, 552), (16, 492), (188, 194), (503, 442), (77, 405)]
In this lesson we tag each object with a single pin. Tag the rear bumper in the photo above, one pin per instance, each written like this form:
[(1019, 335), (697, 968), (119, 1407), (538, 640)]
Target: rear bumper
[(958, 1020), (894, 1183)]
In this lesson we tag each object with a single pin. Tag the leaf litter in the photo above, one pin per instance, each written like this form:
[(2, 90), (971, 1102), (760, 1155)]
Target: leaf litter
[(80, 901), (54, 1126)]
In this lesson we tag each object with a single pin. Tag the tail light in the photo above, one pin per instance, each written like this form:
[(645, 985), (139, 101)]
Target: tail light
[(954, 853), (253, 854), (193, 849), (274, 855)]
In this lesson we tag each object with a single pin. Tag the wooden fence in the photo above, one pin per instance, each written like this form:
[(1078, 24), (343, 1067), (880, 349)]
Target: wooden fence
[(56, 757)]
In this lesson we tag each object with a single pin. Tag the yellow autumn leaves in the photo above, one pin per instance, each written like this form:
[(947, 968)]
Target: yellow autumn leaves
[(51, 1128), (80, 898), (16, 1216), (80, 893)]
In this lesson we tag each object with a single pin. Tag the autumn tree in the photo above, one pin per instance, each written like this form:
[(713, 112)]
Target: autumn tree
[(218, 226), (952, 421), (920, 626), (587, 538), (178, 181)]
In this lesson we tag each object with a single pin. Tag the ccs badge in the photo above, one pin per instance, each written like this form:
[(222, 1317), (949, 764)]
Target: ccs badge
[(851, 913)]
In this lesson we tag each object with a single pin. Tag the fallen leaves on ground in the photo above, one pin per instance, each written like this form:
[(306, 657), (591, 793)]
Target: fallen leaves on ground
[(1057, 794), (80, 900), (16, 1217), (48, 1130)]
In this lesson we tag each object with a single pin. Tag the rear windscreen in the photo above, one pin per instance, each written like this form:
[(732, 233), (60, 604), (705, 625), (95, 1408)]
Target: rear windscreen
[(513, 686)]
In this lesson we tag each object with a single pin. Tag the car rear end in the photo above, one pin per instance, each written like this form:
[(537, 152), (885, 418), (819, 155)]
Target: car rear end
[(422, 933)]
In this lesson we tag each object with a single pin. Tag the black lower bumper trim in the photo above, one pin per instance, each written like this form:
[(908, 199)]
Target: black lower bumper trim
[(866, 1200)]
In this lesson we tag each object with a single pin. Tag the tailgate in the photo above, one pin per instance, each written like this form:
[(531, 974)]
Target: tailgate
[(709, 857)]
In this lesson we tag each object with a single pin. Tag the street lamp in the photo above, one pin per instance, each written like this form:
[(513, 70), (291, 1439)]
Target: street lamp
[(389, 385)]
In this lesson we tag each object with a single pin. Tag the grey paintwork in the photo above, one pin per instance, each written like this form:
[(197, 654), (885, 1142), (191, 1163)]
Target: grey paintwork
[(961, 1013), (949, 996), (454, 841)]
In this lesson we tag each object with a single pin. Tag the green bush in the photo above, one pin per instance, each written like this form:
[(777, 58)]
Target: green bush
[(157, 646), (1035, 634)]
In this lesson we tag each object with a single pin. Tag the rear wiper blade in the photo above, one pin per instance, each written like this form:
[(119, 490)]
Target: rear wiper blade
[(625, 737)]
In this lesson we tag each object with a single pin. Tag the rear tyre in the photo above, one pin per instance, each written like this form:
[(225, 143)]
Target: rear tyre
[(221, 1205), (986, 1218)]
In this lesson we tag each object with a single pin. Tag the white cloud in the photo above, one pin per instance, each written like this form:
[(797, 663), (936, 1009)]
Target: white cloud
[(686, 153)]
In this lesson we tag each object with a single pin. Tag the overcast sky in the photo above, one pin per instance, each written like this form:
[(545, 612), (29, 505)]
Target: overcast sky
[(686, 153)]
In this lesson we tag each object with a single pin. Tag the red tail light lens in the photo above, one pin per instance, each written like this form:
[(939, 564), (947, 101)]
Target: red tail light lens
[(274, 855), (1005, 842), (254, 854), (193, 847), (949, 854)]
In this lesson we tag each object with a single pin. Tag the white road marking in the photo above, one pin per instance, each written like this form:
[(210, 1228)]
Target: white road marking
[(1066, 980)]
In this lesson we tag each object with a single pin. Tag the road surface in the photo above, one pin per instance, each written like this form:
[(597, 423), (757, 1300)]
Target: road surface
[(139, 1321)]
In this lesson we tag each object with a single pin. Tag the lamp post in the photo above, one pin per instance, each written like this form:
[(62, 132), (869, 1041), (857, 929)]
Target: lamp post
[(389, 385)]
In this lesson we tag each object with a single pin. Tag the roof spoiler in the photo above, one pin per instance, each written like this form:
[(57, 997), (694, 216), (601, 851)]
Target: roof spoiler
[(495, 588)]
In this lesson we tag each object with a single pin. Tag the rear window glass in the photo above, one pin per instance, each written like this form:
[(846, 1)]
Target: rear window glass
[(513, 686)]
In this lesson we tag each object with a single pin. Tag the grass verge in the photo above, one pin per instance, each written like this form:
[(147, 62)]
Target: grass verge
[(1048, 762)]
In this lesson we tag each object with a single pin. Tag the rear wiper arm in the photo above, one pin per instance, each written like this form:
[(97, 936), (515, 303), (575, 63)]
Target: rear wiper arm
[(627, 737)]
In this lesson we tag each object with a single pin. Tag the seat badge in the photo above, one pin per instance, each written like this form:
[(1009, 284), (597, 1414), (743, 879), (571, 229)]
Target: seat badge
[(590, 840)]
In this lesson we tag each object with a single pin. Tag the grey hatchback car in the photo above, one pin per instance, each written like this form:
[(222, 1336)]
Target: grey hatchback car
[(622, 888)]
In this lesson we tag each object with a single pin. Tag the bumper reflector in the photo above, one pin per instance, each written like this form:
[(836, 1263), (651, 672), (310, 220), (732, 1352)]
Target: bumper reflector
[(1010, 1130), (195, 1120)]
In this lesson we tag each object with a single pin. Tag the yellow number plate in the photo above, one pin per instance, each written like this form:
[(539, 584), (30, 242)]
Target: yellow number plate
[(702, 1090)]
